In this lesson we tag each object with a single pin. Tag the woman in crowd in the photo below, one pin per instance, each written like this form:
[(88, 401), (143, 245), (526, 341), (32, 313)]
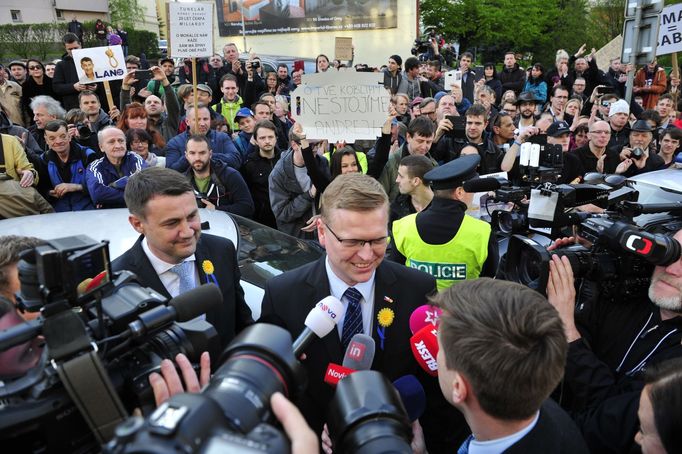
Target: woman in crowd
[(579, 138), (559, 74), (140, 142), (573, 107), (134, 116), (271, 83), (401, 103), (536, 83), (282, 111), (321, 63), (37, 83), (492, 80)]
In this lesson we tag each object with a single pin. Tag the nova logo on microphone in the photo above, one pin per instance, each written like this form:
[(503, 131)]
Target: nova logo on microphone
[(356, 351), (426, 355), (327, 309)]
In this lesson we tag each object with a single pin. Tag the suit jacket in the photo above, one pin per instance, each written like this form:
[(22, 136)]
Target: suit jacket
[(290, 296), (555, 432), (228, 319)]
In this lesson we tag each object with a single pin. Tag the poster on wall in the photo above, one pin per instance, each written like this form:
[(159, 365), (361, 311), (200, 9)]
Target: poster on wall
[(301, 16)]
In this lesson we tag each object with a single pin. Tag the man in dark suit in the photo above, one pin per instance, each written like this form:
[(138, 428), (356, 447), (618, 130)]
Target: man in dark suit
[(502, 351), (172, 256), (353, 230)]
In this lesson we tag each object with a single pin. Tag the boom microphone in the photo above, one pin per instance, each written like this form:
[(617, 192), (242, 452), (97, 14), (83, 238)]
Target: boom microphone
[(359, 356), (424, 315), (424, 345), (182, 308), (412, 394), (320, 321), (484, 184)]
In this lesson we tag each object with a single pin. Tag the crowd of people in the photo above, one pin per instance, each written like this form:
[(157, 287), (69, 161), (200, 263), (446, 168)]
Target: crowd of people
[(517, 371)]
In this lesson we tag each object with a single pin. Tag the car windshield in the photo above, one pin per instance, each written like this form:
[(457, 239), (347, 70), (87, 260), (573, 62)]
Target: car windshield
[(265, 252), (650, 193)]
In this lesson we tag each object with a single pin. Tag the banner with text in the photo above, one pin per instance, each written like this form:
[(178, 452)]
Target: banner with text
[(190, 30), (97, 64), (298, 16), (341, 105)]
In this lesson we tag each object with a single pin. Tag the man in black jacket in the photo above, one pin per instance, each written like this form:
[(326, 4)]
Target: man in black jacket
[(65, 82), (172, 256), (512, 76), (502, 383)]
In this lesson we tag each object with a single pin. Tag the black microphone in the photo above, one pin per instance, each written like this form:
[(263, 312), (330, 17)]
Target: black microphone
[(484, 184), (182, 308), (20, 333), (320, 321)]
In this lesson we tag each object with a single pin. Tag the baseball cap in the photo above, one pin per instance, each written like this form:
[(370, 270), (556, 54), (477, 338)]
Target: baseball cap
[(416, 101), (558, 128), (243, 113)]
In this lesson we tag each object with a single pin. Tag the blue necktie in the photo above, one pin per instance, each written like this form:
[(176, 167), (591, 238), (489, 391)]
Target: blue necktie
[(464, 449), (352, 324), (185, 272)]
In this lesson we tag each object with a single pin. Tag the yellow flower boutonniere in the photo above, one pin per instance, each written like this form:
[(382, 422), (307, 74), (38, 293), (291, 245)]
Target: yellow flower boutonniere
[(207, 267), (385, 318)]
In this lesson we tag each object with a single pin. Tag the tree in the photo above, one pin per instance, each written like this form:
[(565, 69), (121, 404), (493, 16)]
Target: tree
[(124, 13)]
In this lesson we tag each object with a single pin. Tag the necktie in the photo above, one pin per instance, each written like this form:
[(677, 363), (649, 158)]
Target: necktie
[(185, 272), (464, 449), (352, 324)]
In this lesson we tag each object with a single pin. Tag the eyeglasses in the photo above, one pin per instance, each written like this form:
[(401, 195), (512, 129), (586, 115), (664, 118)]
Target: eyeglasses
[(34, 67), (356, 244), (428, 113)]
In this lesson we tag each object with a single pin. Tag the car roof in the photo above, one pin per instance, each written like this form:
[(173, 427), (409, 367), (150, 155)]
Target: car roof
[(670, 178), (111, 225)]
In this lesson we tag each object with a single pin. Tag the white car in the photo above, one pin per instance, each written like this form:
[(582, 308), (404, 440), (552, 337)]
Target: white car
[(263, 252)]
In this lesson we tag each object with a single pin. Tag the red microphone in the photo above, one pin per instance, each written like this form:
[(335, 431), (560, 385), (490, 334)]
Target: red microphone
[(424, 345), (425, 315), (359, 356)]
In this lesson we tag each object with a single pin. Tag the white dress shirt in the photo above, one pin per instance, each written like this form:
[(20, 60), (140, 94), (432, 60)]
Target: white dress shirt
[(337, 288), (169, 279)]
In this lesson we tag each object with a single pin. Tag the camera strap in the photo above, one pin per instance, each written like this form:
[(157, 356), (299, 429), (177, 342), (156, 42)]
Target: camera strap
[(83, 374)]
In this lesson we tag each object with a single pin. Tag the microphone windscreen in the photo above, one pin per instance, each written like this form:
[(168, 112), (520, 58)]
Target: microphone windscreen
[(424, 315), (101, 278), (196, 302), (82, 288), (412, 394), (324, 316), (360, 352), (481, 185), (424, 344)]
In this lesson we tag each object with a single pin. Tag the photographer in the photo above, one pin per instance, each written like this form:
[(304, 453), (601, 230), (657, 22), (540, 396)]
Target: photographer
[(611, 343), (639, 157)]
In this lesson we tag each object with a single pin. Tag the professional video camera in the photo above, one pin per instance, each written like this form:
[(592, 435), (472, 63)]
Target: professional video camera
[(104, 334), (616, 254), (232, 414)]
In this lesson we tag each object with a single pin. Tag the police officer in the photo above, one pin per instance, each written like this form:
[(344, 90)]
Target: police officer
[(443, 240)]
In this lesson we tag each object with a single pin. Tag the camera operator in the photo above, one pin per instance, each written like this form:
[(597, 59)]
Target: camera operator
[(611, 343), (638, 157)]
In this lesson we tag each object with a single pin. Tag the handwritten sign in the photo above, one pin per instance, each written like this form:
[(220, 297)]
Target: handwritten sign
[(191, 29), (97, 64), (343, 49), (670, 30), (344, 105)]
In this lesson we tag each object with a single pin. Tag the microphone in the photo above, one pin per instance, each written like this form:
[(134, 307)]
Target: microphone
[(424, 315), (97, 281), (182, 308), (320, 321), (412, 394), (359, 356), (424, 345), (485, 184)]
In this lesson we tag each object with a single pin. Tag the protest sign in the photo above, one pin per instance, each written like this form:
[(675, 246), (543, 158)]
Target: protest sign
[(190, 29), (670, 30), (344, 105), (97, 64), (343, 49)]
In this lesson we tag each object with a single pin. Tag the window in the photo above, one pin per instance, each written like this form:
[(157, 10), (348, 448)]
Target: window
[(60, 14), (16, 15)]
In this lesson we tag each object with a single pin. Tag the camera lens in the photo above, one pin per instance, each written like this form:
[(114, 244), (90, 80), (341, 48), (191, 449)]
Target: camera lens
[(84, 131), (637, 153), (259, 363), (366, 415)]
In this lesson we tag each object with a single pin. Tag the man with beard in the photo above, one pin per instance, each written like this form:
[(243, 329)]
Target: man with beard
[(216, 185), (611, 342), (526, 104), (639, 156)]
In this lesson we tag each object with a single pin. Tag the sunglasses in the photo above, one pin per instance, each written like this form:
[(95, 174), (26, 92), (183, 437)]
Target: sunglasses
[(34, 67)]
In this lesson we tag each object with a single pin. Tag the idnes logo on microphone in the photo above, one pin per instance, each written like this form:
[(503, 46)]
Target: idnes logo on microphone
[(356, 351)]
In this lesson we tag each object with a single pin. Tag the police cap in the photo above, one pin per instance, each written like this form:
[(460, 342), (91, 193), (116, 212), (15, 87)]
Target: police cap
[(453, 174)]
